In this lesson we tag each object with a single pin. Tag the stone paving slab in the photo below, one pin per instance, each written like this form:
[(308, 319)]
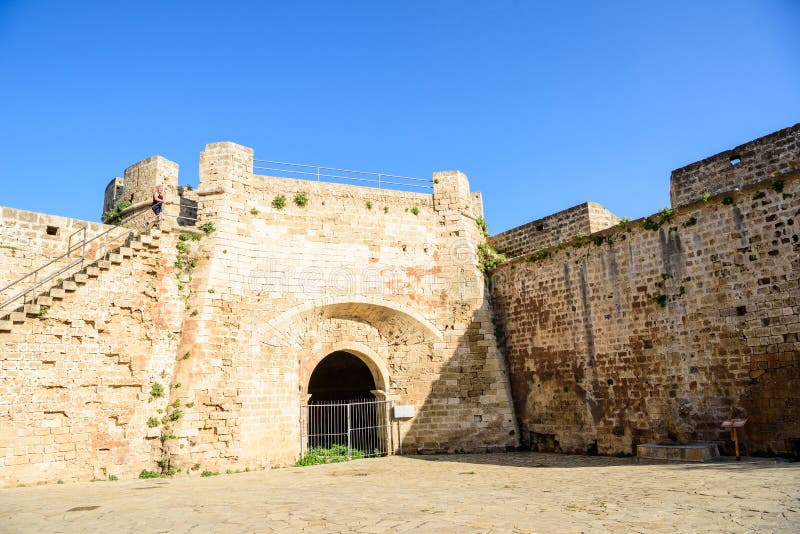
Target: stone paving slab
[(515, 492)]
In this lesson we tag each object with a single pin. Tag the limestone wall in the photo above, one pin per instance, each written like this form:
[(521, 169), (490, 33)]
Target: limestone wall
[(76, 381), (638, 335), (765, 158), (554, 229), (389, 276)]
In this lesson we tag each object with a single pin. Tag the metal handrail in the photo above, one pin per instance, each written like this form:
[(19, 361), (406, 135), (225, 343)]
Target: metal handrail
[(80, 260), (317, 172), (33, 273)]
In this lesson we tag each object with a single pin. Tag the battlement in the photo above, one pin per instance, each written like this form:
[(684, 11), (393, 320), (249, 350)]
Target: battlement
[(764, 158), (585, 218)]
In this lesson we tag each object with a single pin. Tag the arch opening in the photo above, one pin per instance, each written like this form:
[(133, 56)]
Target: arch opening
[(341, 376), (342, 412)]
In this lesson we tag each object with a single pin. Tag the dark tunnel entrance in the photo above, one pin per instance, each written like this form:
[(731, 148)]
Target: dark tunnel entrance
[(343, 414), (341, 376)]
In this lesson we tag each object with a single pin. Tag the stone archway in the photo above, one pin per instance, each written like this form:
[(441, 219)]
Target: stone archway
[(346, 406)]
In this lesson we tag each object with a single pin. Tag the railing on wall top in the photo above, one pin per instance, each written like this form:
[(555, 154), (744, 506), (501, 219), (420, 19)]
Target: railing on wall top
[(319, 173)]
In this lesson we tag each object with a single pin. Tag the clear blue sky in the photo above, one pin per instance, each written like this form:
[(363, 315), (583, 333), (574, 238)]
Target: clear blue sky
[(543, 104)]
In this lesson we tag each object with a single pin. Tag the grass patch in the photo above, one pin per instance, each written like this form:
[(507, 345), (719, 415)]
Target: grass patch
[(331, 455)]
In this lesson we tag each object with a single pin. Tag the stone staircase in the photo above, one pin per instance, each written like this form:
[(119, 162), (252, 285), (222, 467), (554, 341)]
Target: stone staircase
[(62, 288)]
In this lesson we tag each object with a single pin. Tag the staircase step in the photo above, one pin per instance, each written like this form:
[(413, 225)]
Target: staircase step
[(146, 239), (32, 310), (5, 326), (126, 252), (57, 293), (136, 245), (92, 272), (44, 301), (155, 233), (17, 317), (104, 265), (80, 278), (69, 285), (115, 258)]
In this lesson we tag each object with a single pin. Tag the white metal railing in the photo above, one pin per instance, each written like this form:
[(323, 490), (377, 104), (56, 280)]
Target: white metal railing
[(319, 173)]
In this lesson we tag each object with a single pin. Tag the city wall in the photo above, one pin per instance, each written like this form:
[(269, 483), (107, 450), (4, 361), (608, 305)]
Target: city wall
[(755, 161), (389, 276), (660, 329), (191, 347), (76, 378), (193, 350), (585, 219)]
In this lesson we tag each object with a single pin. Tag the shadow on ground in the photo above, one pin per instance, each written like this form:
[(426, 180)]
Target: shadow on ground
[(553, 460)]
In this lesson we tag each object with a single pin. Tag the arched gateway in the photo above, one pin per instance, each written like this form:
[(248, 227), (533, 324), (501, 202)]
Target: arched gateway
[(345, 412)]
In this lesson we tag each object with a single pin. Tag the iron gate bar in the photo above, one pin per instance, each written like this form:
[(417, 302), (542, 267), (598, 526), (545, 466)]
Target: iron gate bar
[(347, 426)]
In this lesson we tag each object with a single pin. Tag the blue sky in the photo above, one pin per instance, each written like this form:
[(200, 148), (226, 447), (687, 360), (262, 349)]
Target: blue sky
[(543, 104)]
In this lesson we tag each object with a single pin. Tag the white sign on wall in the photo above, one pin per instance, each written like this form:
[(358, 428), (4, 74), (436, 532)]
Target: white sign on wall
[(404, 412)]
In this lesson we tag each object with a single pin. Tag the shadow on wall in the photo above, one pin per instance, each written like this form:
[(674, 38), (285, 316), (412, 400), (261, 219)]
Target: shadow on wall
[(659, 330), (470, 399)]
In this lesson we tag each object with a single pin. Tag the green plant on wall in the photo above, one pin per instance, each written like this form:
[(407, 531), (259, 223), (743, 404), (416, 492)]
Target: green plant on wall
[(489, 258), (301, 199), (114, 215), (279, 202)]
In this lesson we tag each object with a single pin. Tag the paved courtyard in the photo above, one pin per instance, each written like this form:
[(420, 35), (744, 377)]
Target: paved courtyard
[(516, 492)]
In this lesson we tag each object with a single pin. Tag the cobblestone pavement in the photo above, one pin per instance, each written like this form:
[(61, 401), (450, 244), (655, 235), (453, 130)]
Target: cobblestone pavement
[(515, 492)]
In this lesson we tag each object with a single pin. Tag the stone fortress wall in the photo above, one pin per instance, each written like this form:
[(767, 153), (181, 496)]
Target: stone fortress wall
[(660, 329), (185, 350), (756, 161), (585, 218), (230, 326)]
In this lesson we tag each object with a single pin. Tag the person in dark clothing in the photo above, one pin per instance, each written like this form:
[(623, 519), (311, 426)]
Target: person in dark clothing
[(158, 202)]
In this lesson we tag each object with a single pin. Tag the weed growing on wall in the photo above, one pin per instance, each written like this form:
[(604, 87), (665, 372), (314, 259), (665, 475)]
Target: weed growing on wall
[(279, 202), (114, 215), (301, 199), (488, 257)]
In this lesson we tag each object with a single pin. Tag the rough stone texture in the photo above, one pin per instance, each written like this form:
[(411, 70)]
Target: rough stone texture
[(237, 322), (549, 231), (701, 452), (75, 382), (765, 158), (626, 336), (356, 270), (661, 334)]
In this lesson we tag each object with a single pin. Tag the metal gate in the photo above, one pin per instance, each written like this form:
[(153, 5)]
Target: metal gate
[(346, 429)]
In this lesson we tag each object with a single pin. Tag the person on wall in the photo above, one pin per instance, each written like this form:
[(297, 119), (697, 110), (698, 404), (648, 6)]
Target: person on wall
[(158, 203)]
